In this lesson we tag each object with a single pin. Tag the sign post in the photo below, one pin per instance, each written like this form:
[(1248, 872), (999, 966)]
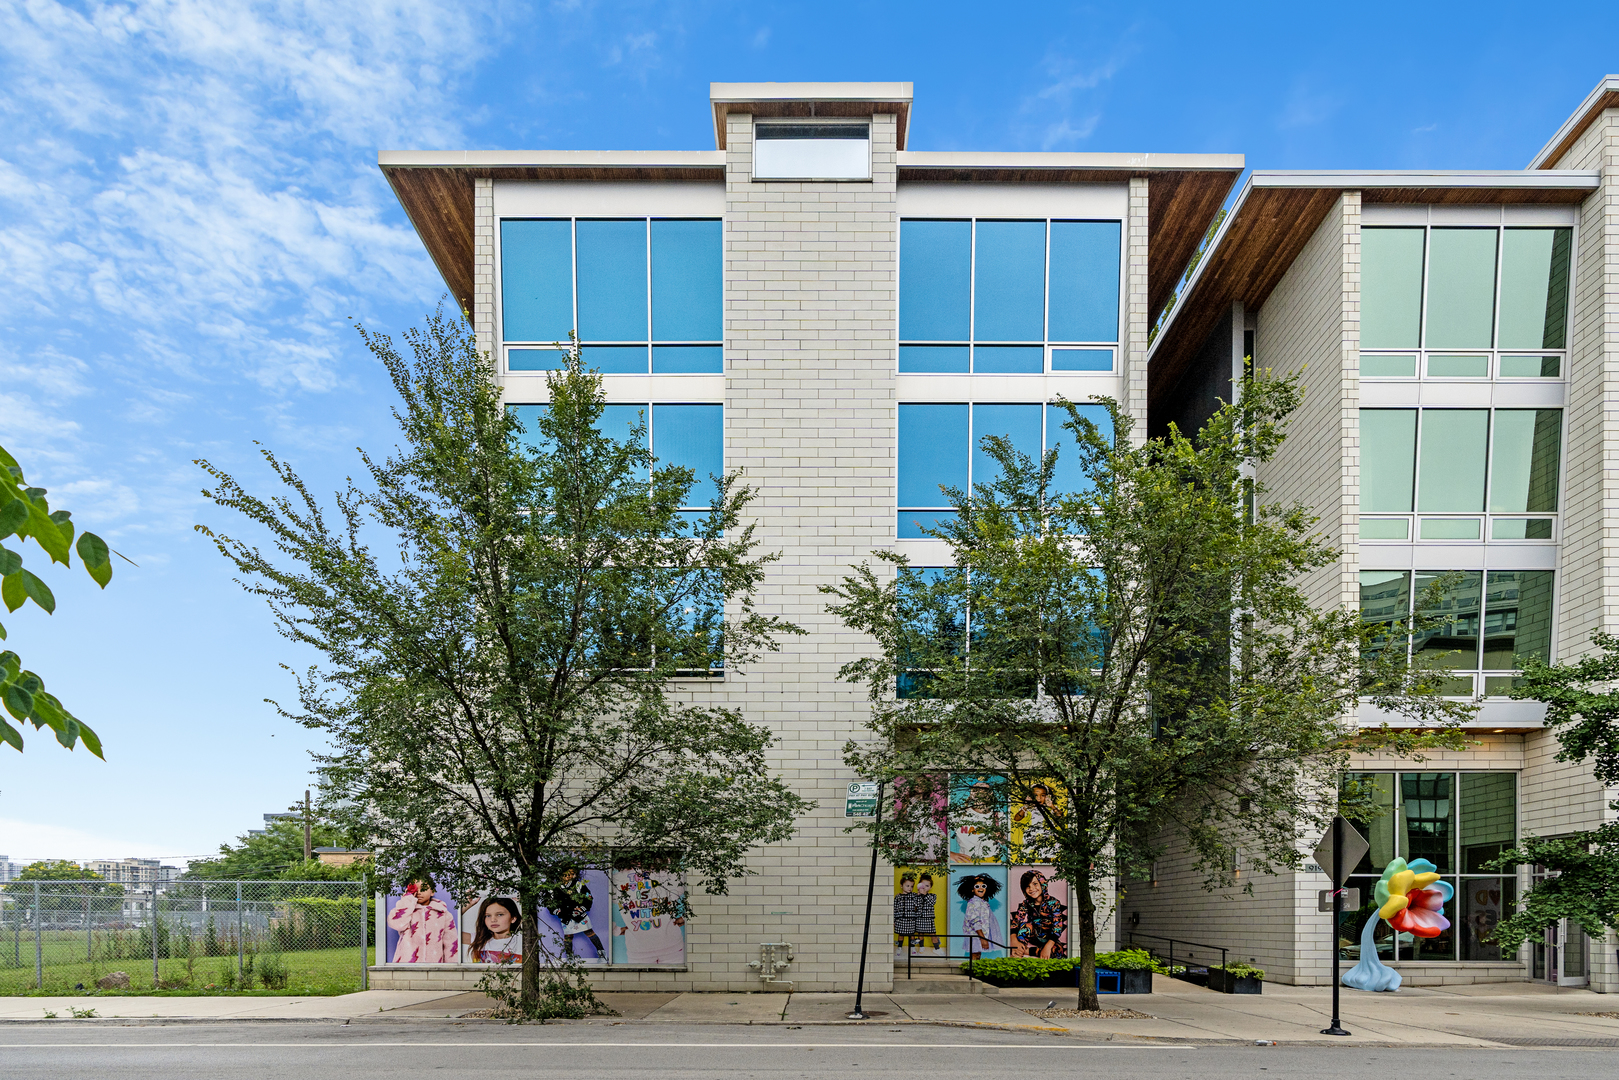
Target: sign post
[(1338, 852), (865, 798)]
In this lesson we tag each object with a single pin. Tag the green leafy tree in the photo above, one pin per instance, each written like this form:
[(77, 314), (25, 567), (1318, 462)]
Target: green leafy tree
[(277, 852), (91, 885), (500, 689), (25, 514), (1582, 883), (1143, 646)]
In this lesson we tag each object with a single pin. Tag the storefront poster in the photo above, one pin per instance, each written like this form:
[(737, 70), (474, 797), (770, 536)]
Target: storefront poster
[(576, 916), (421, 926), (649, 917), (978, 910), (1033, 840), (919, 912), (492, 930), (976, 826), (1037, 923), (920, 805)]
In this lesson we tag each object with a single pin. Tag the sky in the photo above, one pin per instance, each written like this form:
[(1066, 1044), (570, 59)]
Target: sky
[(191, 214)]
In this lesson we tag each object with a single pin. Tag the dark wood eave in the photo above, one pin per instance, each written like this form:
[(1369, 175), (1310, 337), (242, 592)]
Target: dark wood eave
[(1601, 99)]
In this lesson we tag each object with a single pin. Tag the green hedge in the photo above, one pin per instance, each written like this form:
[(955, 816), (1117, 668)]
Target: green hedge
[(1029, 969)]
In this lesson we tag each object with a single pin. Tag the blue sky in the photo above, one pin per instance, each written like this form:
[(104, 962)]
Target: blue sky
[(190, 211)]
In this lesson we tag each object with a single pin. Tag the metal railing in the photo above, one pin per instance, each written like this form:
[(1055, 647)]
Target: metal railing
[(967, 956), (1189, 956), (303, 937)]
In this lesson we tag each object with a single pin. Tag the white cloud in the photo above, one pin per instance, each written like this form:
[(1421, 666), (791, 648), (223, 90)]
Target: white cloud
[(1306, 107)]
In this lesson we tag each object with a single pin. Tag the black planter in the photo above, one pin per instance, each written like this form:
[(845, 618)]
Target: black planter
[(1135, 982), (1061, 980), (1226, 984)]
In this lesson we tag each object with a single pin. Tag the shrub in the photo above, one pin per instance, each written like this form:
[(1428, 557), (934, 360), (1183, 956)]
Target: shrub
[(273, 971), (1241, 971), (1031, 969)]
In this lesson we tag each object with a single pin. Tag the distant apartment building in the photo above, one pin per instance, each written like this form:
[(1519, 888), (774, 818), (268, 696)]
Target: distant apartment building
[(137, 874), (845, 318)]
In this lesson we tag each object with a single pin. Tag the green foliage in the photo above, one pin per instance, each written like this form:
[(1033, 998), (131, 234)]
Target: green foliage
[(273, 971), (1012, 970), (1241, 971), (564, 994), (25, 514), (499, 687), (1145, 647), (1582, 708), (277, 853), (95, 891)]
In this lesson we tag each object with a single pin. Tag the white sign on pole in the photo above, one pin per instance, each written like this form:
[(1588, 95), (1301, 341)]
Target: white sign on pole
[(861, 801)]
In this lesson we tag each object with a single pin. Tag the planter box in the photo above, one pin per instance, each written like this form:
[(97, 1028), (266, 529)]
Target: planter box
[(1225, 984), (1107, 982), (1138, 981), (1060, 980)]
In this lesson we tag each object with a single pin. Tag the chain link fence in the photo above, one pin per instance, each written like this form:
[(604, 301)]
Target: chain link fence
[(267, 937)]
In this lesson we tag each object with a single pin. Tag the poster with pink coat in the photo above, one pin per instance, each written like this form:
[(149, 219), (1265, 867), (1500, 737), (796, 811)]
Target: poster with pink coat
[(422, 927)]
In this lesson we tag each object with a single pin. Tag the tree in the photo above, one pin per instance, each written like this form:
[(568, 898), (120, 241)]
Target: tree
[(1125, 662), (25, 514), (500, 690), (93, 885), (277, 852), (1582, 883)]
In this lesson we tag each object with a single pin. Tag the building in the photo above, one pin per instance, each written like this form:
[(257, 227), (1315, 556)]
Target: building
[(134, 874), (842, 317), (9, 869), (335, 856)]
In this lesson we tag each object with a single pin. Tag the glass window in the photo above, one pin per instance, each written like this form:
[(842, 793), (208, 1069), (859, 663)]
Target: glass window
[(1388, 365), (1069, 476), (1385, 597), (1377, 826), (536, 273), (1461, 288), (1009, 281), (1531, 367), (935, 282), (1458, 367), (1527, 447), (816, 151), (1517, 617), (1489, 817), (687, 281), (1451, 465), (1454, 641), (1081, 359), (934, 445), (1018, 423), (612, 280), (691, 436), (933, 359), (1484, 902), (1388, 451), (1391, 288), (614, 359), (1009, 359), (687, 359), (1534, 288), (1084, 300), (1428, 818)]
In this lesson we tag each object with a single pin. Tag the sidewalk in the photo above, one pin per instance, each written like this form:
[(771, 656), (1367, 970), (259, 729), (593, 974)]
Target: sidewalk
[(1500, 1014)]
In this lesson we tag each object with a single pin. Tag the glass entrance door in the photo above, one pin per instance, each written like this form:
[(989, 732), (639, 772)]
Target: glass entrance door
[(1560, 956)]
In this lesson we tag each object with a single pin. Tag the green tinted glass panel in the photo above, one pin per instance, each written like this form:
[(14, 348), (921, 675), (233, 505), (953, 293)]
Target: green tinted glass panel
[(1458, 367), (1534, 288), (1388, 450), (1375, 820), (1450, 469), (1527, 448), (1384, 528), (1388, 365), (1428, 818), (1517, 616), (1461, 288), (1453, 641), (1531, 367), (1391, 288), (1385, 597), (1489, 817), (1450, 528), (1521, 529)]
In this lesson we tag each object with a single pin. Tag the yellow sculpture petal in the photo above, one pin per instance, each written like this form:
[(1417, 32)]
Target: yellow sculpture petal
[(1402, 883), (1422, 881), (1395, 905)]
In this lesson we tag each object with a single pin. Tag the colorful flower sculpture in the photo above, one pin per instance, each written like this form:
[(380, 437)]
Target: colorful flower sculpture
[(1412, 898)]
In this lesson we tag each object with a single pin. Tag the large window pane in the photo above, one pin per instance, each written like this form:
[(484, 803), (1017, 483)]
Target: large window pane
[(1440, 947), (1450, 473), (933, 446), (527, 417), (1377, 825), (933, 359), (1483, 903), (1008, 359), (935, 276), (1069, 476), (687, 359), (1391, 288), (536, 280), (1385, 597), (1524, 460), (1020, 423), (1009, 281), (1388, 455), (1084, 300), (687, 281), (1454, 641), (1489, 813), (692, 436), (1534, 288), (1461, 288), (1517, 617), (614, 359), (1428, 818), (612, 280)]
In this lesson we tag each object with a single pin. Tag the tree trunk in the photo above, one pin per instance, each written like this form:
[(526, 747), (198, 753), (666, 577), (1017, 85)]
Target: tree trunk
[(531, 949), (1087, 942)]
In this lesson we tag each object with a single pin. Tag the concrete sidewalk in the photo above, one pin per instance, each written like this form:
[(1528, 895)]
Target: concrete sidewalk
[(1501, 1014)]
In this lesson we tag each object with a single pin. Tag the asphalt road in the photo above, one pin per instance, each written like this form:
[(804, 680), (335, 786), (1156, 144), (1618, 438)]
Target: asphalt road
[(294, 1051)]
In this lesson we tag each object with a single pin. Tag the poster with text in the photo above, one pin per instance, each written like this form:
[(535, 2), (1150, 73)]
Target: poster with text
[(1037, 923), (577, 916), (978, 910), (976, 826), (919, 912), (1032, 836), (492, 930), (649, 917), (421, 926)]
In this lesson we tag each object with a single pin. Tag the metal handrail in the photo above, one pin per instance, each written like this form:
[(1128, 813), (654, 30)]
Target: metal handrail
[(1180, 941), (967, 956)]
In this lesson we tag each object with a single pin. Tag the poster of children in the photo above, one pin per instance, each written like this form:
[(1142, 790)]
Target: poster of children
[(492, 930), (1038, 925), (919, 917), (978, 910), (575, 913), (421, 927), (919, 804), (975, 819), (1031, 834), (649, 917)]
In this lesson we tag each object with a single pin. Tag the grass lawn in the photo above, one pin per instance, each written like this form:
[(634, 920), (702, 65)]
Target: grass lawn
[(319, 972)]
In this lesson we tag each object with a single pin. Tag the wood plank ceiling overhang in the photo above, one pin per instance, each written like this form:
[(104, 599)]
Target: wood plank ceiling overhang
[(1272, 221)]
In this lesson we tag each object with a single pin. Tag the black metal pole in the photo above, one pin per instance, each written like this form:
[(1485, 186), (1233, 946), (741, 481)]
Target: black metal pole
[(871, 889), (1337, 909)]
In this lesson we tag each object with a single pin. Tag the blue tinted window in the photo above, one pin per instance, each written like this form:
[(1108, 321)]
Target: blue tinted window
[(933, 359), (687, 360), (1084, 299), (536, 279), (1081, 359), (935, 265), (614, 359), (1009, 359), (692, 436), (618, 422), (528, 416), (1069, 478), (687, 282), (534, 359), (1009, 281), (914, 523), (933, 444), (612, 280), (1019, 422)]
